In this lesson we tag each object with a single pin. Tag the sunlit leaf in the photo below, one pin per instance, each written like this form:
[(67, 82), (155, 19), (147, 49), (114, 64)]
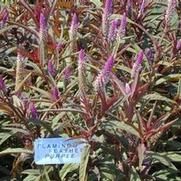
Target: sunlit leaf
[(67, 168), (83, 163), (15, 151), (160, 158)]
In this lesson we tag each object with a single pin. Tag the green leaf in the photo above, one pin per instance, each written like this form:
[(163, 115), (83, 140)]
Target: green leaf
[(179, 89), (172, 145), (98, 3), (16, 150), (4, 136), (159, 157), (31, 172), (41, 91), (108, 169), (20, 130), (120, 125), (44, 124), (35, 67), (134, 176), (83, 163), (174, 156), (67, 168), (166, 174), (171, 77), (5, 178), (107, 173), (32, 178), (7, 28), (157, 97), (57, 119)]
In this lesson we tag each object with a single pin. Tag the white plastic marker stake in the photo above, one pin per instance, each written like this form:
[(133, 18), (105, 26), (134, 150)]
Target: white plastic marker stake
[(58, 150)]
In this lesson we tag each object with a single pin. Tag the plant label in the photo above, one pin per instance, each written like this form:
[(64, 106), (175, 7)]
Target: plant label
[(58, 150)]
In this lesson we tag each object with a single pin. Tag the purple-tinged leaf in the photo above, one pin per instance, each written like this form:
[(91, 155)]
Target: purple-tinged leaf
[(5, 17), (122, 30), (59, 46), (142, 8), (170, 10), (81, 60), (67, 72), (149, 55), (55, 94), (51, 68), (33, 111), (141, 153), (2, 84)]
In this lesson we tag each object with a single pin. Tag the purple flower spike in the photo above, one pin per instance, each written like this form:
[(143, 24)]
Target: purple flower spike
[(170, 10), (33, 111), (178, 46), (149, 55), (55, 94), (104, 75), (105, 18), (108, 66), (113, 31), (74, 26), (51, 68), (67, 72), (2, 84), (81, 59), (139, 59), (74, 21), (5, 17), (123, 25), (42, 22), (137, 64), (43, 27), (108, 7)]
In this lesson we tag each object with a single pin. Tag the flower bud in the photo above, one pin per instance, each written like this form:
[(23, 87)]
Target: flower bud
[(104, 75)]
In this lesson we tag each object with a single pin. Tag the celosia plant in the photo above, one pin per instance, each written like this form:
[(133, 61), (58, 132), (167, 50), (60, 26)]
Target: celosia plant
[(105, 71)]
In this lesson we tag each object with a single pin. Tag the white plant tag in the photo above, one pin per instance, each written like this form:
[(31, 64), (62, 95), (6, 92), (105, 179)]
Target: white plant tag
[(58, 150)]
